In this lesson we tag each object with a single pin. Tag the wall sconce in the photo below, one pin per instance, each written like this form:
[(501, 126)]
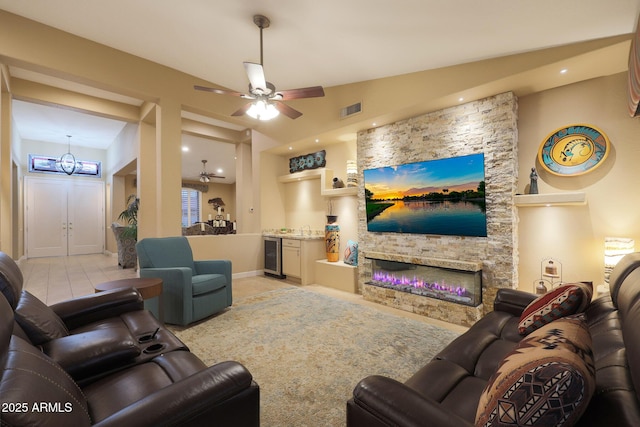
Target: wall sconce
[(352, 173), (614, 249)]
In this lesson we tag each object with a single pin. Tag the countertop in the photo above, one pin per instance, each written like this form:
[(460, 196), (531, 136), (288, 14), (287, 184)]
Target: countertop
[(314, 235)]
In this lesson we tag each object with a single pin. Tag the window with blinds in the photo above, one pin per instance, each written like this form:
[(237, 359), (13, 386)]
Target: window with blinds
[(190, 207)]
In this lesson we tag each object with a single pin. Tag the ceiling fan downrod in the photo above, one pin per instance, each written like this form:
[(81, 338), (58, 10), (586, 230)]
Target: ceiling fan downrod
[(262, 22)]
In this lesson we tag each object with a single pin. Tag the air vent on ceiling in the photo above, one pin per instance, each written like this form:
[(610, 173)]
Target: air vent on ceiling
[(350, 110)]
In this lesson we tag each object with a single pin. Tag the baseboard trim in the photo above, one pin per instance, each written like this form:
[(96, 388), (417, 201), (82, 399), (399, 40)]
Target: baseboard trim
[(244, 274)]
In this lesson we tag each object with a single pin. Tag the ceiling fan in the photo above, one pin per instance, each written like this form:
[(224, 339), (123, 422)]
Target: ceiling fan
[(266, 100), (206, 177)]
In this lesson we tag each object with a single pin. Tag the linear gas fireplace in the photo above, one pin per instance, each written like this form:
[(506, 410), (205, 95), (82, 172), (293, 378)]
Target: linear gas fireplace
[(447, 284)]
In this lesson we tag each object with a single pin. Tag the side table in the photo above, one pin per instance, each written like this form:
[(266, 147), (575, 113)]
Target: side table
[(149, 287)]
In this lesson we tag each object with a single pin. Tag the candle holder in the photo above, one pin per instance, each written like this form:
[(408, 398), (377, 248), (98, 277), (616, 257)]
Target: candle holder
[(223, 226), (550, 275)]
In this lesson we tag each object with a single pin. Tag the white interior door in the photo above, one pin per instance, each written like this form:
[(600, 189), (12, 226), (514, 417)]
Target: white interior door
[(46, 212), (85, 216), (64, 217)]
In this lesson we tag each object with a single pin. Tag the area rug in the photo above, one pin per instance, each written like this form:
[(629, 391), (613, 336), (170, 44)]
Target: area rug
[(307, 351)]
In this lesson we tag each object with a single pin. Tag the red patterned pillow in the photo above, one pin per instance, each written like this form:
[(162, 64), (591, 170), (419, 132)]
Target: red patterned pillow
[(559, 302)]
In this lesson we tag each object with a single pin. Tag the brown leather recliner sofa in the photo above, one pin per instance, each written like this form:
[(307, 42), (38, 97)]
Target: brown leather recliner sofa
[(92, 361), (447, 390)]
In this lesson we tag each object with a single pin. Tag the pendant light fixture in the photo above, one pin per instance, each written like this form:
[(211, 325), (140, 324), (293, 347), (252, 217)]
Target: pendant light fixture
[(67, 162)]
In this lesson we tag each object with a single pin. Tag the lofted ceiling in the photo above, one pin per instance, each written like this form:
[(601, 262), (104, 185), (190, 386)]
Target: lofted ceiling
[(329, 43)]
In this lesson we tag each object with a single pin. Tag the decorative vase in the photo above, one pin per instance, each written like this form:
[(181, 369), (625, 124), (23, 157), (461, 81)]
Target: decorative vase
[(332, 238)]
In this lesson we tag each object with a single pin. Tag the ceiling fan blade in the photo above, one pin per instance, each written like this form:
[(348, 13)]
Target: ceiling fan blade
[(218, 91), (290, 112), (305, 92), (242, 111), (255, 72)]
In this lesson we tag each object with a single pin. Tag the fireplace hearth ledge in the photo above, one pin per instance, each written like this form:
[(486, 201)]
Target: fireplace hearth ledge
[(453, 264)]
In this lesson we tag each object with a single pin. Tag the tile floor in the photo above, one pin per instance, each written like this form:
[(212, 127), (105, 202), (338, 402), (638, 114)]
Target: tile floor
[(56, 279)]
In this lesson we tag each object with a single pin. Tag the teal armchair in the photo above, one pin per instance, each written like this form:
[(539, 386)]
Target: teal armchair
[(191, 290)]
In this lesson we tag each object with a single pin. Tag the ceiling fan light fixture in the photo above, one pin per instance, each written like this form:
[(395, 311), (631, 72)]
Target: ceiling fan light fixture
[(263, 110), (264, 92)]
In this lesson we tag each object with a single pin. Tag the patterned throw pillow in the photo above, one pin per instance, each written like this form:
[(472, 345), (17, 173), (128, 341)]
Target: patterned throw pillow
[(548, 380), (559, 302)]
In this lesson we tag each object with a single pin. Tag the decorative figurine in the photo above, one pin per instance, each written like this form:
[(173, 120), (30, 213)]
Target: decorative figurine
[(533, 186), (338, 183)]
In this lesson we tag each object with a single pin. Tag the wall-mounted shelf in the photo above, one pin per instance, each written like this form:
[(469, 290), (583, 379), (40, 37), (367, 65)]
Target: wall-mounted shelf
[(325, 176), (551, 199), (302, 176)]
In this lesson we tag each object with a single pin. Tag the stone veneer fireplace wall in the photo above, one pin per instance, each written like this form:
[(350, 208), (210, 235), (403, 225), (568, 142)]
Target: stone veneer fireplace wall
[(486, 126)]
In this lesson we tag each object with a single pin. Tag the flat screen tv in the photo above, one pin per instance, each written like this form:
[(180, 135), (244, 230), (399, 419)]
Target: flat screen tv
[(442, 197)]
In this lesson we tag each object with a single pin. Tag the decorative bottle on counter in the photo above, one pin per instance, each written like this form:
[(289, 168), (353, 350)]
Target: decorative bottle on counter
[(332, 238)]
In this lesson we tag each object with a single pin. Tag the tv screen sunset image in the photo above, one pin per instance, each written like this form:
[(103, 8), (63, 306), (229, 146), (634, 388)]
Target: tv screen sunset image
[(442, 197)]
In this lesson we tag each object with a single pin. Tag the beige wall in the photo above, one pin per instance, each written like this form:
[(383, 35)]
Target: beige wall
[(244, 250), (273, 212), (6, 169), (300, 204), (575, 235)]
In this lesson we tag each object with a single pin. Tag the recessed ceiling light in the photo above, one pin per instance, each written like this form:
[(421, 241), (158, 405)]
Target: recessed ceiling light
[(219, 170), (185, 148), (317, 140), (373, 124), (563, 71), (460, 99), (290, 148)]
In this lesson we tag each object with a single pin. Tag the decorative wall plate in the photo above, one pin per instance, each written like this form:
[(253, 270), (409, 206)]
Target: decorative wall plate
[(573, 150), (308, 161)]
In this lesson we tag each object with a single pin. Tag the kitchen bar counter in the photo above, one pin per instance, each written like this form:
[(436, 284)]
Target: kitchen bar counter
[(315, 235)]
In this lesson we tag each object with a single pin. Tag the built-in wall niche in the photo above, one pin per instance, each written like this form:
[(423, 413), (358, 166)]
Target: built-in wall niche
[(326, 178)]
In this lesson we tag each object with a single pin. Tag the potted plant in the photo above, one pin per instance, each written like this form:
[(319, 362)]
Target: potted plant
[(127, 235), (130, 217)]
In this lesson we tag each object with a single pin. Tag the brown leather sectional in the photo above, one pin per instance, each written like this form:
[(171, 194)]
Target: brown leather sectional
[(446, 390), (104, 360)]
